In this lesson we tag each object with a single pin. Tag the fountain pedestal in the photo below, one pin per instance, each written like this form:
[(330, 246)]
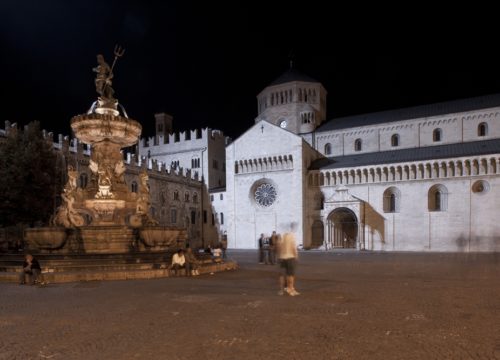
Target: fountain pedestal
[(106, 216)]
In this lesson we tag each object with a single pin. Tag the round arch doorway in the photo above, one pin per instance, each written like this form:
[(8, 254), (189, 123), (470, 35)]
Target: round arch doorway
[(342, 228)]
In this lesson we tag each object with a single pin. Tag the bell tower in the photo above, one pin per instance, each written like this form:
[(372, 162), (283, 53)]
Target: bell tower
[(294, 101)]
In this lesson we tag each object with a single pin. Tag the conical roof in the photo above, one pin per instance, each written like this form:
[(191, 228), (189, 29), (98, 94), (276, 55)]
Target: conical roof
[(292, 74)]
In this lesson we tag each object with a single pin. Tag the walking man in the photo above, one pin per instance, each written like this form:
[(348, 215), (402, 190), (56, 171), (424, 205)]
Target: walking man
[(288, 255)]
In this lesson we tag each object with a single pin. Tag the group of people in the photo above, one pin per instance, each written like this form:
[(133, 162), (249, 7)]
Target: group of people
[(187, 260), (284, 250), (267, 248)]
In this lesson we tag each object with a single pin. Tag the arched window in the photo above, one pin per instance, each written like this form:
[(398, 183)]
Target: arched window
[(392, 200), (83, 180), (437, 135), (482, 129), (176, 195), (319, 201), (195, 163), (357, 145), (195, 197), (133, 186), (222, 218), (328, 149), (186, 197), (438, 198), (173, 216), (395, 140)]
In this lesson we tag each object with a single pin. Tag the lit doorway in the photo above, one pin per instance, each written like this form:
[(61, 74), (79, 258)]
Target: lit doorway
[(342, 229)]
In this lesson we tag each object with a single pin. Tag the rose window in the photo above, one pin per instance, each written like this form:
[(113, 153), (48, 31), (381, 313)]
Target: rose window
[(265, 194)]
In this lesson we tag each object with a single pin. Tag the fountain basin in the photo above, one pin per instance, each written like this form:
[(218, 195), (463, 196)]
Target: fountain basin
[(45, 238), (162, 237), (94, 128)]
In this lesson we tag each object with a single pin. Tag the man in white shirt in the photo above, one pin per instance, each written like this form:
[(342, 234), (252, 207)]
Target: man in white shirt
[(178, 261), (288, 255)]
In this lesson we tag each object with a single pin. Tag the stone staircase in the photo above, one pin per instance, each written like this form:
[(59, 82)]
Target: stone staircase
[(91, 267)]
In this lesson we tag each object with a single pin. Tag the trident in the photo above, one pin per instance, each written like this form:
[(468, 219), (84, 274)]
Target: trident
[(118, 53)]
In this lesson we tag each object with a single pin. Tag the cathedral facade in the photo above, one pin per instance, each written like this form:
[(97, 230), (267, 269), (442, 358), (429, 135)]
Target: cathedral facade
[(418, 179)]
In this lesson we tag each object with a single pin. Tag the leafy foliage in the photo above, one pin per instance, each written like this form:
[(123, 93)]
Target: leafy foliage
[(29, 180)]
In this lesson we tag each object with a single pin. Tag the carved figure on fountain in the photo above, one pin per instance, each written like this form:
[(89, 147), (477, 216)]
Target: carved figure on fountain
[(66, 214)]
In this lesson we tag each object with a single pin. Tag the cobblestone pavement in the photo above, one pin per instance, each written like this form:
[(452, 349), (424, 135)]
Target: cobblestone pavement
[(352, 306)]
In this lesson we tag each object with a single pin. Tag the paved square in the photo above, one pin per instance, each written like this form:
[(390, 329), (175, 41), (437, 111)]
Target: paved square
[(352, 306)]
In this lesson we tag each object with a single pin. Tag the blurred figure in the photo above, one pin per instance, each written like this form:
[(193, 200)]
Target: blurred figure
[(266, 248), (272, 251), (288, 255), (223, 244), (31, 268), (192, 263), (261, 249)]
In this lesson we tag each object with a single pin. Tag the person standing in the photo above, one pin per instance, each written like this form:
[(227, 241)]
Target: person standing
[(266, 247), (288, 255), (261, 248), (192, 263), (272, 251), (223, 244)]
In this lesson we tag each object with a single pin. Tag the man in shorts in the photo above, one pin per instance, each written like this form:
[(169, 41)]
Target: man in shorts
[(287, 255)]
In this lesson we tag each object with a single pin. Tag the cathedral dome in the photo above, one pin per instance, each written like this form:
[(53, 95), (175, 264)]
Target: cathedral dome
[(291, 75)]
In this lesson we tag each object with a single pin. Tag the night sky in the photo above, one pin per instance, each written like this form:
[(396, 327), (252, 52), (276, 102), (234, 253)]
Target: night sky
[(205, 64)]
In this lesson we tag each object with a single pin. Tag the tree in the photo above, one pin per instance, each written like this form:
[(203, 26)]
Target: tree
[(29, 177)]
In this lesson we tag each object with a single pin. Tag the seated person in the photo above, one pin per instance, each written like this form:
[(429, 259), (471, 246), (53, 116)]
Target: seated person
[(217, 255), (192, 263), (31, 267), (178, 261)]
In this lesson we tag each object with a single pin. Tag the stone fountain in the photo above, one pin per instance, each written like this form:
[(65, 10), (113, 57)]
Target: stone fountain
[(106, 216)]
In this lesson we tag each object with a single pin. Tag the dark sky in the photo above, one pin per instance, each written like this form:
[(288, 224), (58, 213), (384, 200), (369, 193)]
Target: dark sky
[(205, 64)]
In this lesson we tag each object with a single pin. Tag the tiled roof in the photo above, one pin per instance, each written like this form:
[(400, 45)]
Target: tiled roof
[(412, 154), (443, 108)]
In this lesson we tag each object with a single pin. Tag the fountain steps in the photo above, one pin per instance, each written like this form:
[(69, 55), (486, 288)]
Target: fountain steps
[(99, 267)]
